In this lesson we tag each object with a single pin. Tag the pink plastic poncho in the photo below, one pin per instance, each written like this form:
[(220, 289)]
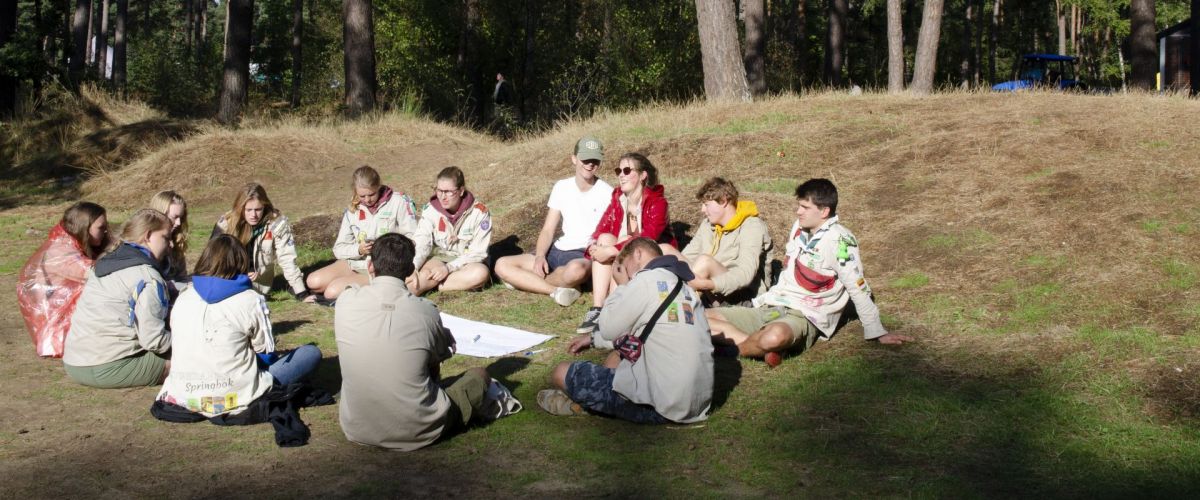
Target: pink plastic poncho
[(48, 288)]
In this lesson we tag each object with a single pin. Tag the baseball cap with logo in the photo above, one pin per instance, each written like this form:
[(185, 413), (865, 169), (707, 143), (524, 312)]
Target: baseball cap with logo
[(589, 148)]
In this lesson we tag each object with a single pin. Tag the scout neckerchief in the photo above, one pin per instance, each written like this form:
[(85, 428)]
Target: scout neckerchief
[(807, 277), (745, 210)]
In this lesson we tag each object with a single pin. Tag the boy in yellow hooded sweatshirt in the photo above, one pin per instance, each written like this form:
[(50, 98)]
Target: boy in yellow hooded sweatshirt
[(729, 251)]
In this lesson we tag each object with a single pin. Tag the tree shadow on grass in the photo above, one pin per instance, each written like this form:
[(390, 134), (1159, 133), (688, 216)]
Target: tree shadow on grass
[(286, 327)]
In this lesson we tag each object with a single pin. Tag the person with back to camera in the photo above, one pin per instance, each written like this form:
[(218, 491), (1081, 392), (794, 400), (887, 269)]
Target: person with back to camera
[(267, 236), (223, 349), (175, 264), (557, 267), (50, 282), (452, 238), (822, 287), (119, 335), (730, 249), (375, 210), (638, 208), (661, 370), (391, 344)]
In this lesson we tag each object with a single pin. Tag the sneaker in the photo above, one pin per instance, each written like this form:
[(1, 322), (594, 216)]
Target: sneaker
[(565, 296), (590, 323), (322, 301), (556, 402), (773, 359)]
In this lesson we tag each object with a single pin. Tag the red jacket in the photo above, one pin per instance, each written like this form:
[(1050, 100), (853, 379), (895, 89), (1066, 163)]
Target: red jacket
[(655, 221)]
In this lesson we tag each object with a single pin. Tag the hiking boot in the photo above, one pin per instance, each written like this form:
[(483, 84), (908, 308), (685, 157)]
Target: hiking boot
[(565, 296), (556, 402), (773, 359), (590, 322)]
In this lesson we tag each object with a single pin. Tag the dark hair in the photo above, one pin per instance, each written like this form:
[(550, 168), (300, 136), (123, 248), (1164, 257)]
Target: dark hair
[(224, 257), (455, 174), (719, 190), (77, 222), (639, 243), (392, 255), (642, 164), (821, 192)]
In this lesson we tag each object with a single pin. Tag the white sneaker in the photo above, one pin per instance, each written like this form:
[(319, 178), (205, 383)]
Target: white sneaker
[(565, 296)]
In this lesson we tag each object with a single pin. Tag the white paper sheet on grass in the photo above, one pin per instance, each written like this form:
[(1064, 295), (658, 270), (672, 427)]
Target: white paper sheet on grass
[(484, 340)]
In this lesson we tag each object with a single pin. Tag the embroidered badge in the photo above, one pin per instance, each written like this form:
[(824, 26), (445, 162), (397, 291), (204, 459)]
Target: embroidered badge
[(662, 286), (441, 225), (486, 224), (689, 315), (269, 236), (362, 214), (673, 313), (861, 282)]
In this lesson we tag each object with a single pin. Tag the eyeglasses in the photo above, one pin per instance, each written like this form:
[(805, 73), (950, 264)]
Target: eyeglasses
[(625, 170), (445, 192)]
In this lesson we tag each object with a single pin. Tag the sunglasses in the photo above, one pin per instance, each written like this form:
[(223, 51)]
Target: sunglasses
[(625, 170)]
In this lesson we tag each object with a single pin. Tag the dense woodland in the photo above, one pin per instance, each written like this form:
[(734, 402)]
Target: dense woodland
[(223, 59)]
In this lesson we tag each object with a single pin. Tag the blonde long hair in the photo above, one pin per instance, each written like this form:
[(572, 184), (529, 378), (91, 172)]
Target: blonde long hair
[(364, 177), (162, 202), (143, 222), (236, 217)]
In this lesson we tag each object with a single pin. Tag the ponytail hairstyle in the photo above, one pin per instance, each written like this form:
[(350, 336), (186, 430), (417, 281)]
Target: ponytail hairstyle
[(77, 222), (224, 257), (641, 164), (162, 202), (143, 222), (235, 219), (364, 177)]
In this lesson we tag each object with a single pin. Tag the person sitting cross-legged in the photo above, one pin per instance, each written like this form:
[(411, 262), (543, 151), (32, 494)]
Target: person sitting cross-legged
[(452, 238), (669, 377), (391, 344), (821, 288)]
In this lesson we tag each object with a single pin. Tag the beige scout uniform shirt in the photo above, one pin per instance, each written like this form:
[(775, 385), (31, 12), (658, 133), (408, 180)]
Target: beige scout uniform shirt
[(275, 246), (118, 316), (818, 282), (388, 340), (466, 242), (743, 251), (398, 215)]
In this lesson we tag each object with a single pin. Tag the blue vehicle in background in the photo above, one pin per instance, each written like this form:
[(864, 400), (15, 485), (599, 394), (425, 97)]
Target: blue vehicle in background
[(1046, 71)]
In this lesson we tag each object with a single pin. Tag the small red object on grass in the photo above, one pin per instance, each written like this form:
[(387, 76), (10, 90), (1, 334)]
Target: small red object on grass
[(773, 359)]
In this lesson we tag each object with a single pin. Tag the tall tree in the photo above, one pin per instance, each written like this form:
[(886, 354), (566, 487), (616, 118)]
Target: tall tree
[(754, 13), (8, 84), (1143, 53), (102, 41), (119, 61), (297, 38), (835, 41), (1061, 16), (200, 30), (358, 38), (79, 33), (967, 67), (1194, 47), (724, 75), (235, 79), (993, 35), (467, 62), (925, 64), (895, 34)]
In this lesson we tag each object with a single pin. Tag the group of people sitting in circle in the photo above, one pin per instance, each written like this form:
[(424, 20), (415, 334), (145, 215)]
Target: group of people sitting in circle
[(123, 311)]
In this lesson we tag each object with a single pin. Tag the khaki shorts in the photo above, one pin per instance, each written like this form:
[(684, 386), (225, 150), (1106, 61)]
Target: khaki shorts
[(753, 319), (135, 371), (466, 393)]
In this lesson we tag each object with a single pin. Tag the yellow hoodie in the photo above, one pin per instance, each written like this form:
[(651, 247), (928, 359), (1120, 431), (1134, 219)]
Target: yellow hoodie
[(742, 246)]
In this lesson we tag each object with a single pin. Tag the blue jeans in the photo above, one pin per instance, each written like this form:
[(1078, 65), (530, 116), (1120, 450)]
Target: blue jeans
[(296, 365)]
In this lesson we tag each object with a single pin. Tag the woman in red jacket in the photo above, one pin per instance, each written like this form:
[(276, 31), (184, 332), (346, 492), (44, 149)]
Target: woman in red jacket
[(638, 209)]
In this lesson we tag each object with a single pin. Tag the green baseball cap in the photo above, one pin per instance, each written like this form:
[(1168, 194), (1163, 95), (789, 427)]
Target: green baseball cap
[(589, 148)]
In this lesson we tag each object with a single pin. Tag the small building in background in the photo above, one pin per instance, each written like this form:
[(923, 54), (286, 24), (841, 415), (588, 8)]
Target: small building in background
[(1175, 57)]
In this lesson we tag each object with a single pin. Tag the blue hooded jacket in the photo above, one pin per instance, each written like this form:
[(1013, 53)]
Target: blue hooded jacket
[(213, 290)]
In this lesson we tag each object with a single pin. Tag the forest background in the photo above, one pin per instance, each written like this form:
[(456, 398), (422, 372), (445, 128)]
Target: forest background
[(561, 59)]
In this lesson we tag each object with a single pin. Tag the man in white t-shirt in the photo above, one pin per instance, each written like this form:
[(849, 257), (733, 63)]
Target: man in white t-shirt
[(577, 202)]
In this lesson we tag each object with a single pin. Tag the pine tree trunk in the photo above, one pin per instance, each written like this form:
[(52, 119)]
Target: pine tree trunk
[(993, 33), (1143, 52), (532, 9), (235, 79), (967, 66), (1194, 47), (724, 75), (467, 63), (189, 24), (358, 37), (925, 65), (895, 34), (297, 48), (756, 46), (79, 33), (8, 85), (835, 42), (102, 42), (119, 44), (93, 12), (200, 34)]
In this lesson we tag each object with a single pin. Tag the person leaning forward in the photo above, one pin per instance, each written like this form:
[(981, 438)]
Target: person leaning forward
[(672, 379), (822, 287), (390, 346)]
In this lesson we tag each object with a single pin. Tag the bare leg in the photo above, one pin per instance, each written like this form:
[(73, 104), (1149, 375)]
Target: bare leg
[(336, 287), (670, 250), (571, 275), (517, 270), (612, 360), (469, 277), (602, 272), (320, 279), (423, 282), (707, 267), (771, 338), (558, 376)]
